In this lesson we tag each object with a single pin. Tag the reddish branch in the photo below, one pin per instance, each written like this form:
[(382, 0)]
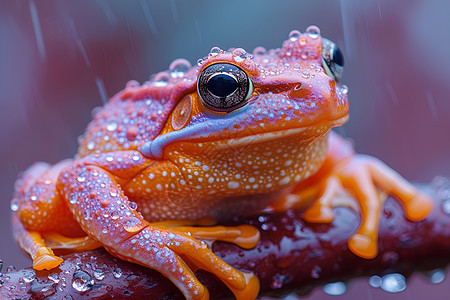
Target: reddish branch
[(292, 255)]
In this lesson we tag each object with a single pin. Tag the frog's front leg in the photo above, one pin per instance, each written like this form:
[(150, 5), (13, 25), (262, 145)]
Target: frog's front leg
[(92, 190), (364, 177)]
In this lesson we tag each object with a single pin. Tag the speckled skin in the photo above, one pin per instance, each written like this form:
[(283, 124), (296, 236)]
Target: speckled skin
[(155, 153)]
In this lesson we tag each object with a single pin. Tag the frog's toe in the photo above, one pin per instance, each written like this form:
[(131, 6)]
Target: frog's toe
[(418, 208), (364, 246), (318, 213), (45, 259)]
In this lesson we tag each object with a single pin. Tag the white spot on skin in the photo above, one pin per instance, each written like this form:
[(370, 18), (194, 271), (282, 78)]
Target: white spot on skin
[(233, 185)]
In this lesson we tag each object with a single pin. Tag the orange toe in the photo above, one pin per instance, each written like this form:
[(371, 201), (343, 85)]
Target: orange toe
[(319, 213), (418, 208), (363, 246), (250, 291), (45, 259)]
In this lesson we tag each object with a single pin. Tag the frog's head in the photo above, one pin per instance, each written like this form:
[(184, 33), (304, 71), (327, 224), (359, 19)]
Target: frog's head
[(252, 109)]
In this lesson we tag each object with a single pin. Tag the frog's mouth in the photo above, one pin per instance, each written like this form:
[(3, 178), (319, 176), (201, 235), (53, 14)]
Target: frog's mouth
[(309, 133), (200, 134)]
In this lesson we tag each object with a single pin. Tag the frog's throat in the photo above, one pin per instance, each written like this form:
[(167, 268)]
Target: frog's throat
[(154, 149)]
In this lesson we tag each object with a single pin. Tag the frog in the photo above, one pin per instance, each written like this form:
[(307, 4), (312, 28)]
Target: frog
[(163, 164)]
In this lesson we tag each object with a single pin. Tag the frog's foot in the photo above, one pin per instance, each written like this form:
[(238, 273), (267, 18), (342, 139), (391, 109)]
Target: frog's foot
[(104, 212), (361, 176), (31, 241)]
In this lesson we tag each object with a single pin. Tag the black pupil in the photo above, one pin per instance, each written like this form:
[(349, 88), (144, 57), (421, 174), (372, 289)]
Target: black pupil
[(222, 85), (338, 57)]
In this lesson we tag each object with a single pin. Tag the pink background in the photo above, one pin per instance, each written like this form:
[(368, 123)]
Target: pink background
[(58, 58)]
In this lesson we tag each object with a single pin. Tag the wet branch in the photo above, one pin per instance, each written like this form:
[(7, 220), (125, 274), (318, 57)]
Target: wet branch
[(292, 256)]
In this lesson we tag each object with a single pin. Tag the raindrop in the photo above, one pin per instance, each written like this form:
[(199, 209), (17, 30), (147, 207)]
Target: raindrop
[(305, 74), (54, 277), (98, 274), (117, 273), (393, 283), (91, 145), (437, 276), (200, 62), (82, 281), (113, 193), (14, 206), (294, 35), (10, 269), (259, 51), (160, 79), (344, 89), (133, 205), (1, 265), (73, 198), (29, 277), (114, 215), (131, 223), (375, 281), (279, 280), (81, 178), (214, 51), (86, 215), (313, 31), (111, 126), (179, 67), (445, 206), (335, 288), (315, 272), (239, 54)]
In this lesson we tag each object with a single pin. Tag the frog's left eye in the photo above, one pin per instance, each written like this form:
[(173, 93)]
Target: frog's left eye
[(332, 60), (224, 87)]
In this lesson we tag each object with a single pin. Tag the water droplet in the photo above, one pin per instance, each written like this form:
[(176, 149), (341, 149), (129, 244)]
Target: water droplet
[(117, 273), (10, 269), (445, 206), (90, 145), (313, 31), (160, 79), (133, 205), (14, 205), (305, 74), (29, 277), (114, 215), (214, 51), (132, 84), (344, 89), (179, 67), (131, 224), (239, 54), (335, 288), (200, 62), (294, 35), (259, 51), (111, 126), (73, 198), (86, 215), (279, 280), (98, 274), (33, 198), (393, 283), (1, 265), (437, 276), (54, 277), (113, 193), (82, 281), (375, 281)]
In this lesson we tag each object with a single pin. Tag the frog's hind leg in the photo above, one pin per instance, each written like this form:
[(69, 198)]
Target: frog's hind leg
[(38, 208)]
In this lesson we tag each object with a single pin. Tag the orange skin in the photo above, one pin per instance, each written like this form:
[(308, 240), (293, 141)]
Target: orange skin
[(155, 163)]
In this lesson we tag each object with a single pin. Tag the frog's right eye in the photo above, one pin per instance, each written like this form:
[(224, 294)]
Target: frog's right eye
[(224, 87), (332, 60)]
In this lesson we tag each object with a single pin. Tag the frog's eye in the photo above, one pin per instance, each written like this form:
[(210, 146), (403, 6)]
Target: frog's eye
[(224, 87), (332, 60)]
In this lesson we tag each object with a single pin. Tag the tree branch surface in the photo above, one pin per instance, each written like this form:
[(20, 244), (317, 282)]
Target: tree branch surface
[(293, 255)]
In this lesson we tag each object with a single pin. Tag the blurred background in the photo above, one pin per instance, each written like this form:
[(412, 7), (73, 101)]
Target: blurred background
[(60, 59)]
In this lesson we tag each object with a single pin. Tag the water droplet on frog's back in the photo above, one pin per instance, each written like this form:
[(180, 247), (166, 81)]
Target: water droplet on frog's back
[(239, 54), (179, 67), (98, 274), (214, 51), (14, 207)]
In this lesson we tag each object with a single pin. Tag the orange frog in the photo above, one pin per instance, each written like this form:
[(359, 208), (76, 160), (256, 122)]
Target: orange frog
[(163, 161)]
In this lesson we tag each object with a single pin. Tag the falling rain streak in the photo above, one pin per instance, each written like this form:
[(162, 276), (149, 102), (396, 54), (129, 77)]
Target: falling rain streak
[(101, 89), (37, 30)]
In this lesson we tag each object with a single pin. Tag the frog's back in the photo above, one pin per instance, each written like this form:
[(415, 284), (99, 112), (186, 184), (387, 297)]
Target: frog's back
[(133, 116)]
